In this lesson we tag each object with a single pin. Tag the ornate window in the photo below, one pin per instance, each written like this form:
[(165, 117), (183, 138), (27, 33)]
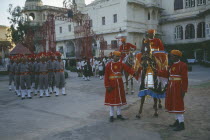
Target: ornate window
[(201, 2), (103, 45), (178, 4), (178, 34), (201, 30), (44, 16), (91, 23), (149, 16), (69, 27), (114, 44), (190, 31), (208, 29), (32, 16), (115, 18), (103, 21), (60, 29), (189, 3), (153, 15), (61, 49)]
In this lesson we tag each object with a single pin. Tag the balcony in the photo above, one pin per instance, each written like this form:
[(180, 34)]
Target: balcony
[(79, 29)]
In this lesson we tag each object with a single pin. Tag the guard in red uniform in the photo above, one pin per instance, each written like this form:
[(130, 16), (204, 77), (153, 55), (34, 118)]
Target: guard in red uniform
[(156, 43), (115, 93), (125, 48), (176, 89)]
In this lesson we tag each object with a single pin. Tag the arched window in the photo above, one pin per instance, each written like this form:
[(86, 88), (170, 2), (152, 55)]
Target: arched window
[(189, 3), (190, 31), (153, 15), (201, 2), (178, 4), (31, 16), (201, 30), (178, 34), (149, 16)]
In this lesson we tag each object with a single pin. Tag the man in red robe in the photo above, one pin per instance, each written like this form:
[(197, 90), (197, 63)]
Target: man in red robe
[(125, 48), (156, 43), (115, 93), (176, 89)]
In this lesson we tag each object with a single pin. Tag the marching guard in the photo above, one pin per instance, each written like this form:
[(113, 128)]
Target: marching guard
[(25, 82), (43, 76), (36, 74), (59, 75), (10, 69), (17, 75), (51, 74)]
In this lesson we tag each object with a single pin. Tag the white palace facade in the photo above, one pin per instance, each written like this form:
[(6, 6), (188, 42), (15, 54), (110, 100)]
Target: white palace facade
[(182, 24)]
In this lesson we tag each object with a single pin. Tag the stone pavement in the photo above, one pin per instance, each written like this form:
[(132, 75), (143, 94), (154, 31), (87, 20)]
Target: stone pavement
[(199, 75), (80, 115)]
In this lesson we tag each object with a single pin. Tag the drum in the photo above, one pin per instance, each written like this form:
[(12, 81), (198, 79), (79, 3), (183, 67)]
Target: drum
[(161, 58)]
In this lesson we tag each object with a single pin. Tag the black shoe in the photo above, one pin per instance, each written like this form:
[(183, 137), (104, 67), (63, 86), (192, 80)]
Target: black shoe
[(111, 119), (156, 115), (138, 116), (176, 123), (40, 96), (120, 117), (56, 95), (29, 97), (179, 127)]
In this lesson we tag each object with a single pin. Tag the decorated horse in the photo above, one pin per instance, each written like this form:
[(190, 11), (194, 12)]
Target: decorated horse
[(147, 64), (129, 61)]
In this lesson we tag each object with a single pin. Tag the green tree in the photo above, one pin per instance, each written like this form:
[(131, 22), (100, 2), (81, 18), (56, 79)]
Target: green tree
[(19, 24)]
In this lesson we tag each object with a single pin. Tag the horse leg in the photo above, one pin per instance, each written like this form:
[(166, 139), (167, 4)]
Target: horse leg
[(141, 107), (132, 91), (155, 107), (126, 82), (159, 105)]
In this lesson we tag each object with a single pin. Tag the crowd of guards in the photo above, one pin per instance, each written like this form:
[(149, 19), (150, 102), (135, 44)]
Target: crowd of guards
[(38, 74)]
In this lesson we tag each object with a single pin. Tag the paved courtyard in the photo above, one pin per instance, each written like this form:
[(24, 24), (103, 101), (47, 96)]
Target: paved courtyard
[(81, 114)]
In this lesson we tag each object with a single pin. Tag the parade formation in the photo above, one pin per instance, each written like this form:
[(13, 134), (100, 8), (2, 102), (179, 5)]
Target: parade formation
[(42, 73), (159, 75)]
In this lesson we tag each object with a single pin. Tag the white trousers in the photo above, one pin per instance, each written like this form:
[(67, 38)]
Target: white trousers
[(111, 113), (179, 117)]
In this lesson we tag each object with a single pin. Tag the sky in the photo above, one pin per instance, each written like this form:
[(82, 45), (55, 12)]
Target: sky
[(4, 4)]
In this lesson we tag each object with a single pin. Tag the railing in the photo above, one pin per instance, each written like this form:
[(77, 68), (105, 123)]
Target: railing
[(79, 29)]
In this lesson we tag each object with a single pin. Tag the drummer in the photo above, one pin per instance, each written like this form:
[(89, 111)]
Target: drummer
[(155, 43)]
